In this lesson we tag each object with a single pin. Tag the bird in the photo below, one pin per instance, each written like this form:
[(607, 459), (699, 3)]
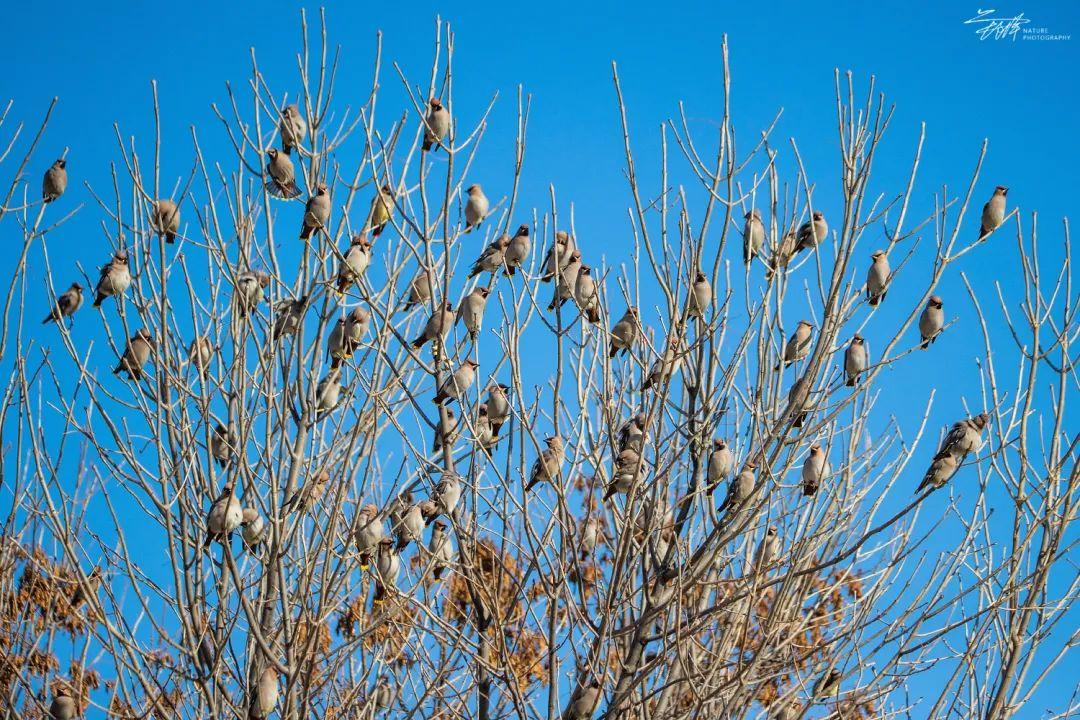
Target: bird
[(815, 469), (790, 710), (558, 255), (583, 702), (354, 263), (356, 326), (438, 325), (136, 354), (69, 301), (828, 685), (266, 694), (666, 365), (447, 494), (625, 468), (812, 232), (548, 463), (306, 497), (222, 445), (631, 435), (200, 353), (482, 432), (442, 552), (856, 359), (471, 310), (55, 181), (83, 593), (721, 463), (446, 431), (931, 321), (166, 219), (753, 235), (740, 489), (993, 213), (335, 343), (382, 209), (566, 282), (252, 528), (225, 515), (701, 296), (798, 395), (63, 706), (877, 278), (288, 316), (420, 289), (492, 258), (115, 278), (941, 470), (476, 207), (517, 251), (458, 382), (382, 694), (436, 125), (798, 345), (316, 212), (369, 532), (586, 295), (625, 332), (412, 523), (589, 534), (328, 392), (965, 437), (387, 567), (768, 550), (250, 290), (292, 127), (282, 183), (783, 253), (498, 406)]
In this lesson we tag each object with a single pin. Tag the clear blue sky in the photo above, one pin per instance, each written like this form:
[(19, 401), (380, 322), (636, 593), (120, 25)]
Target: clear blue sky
[(1023, 96)]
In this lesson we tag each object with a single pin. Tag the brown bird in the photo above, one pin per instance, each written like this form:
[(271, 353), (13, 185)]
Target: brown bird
[(66, 305), (382, 209), (798, 396), (476, 207), (316, 212), (136, 354), (54, 183), (498, 406), (419, 289), (292, 127), (115, 278), (812, 232), (993, 213), (458, 382), (931, 321), (558, 256), (282, 183), (625, 332), (492, 258), (855, 359), (438, 325), (548, 464), (517, 252), (355, 263), (166, 219), (81, 594), (436, 125), (798, 345), (309, 495)]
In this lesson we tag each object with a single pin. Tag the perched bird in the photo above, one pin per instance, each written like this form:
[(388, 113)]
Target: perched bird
[(586, 296), (566, 283), (798, 345), (856, 359), (382, 694), (558, 255), (266, 694), (292, 127), (222, 445), (548, 464), (877, 278), (369, 532), (136, 354), (828, 685), (666, 365), (815, 469), (166, 219), (336, 344), (631, 435), (436, 125), (701, 296), (482, 432), (438, 325), (518, 250), (625, 469), (492, 258), (328, 392), (200, 353), (498, 406), (783, 253), (476, 207), (354, 263), (306, 497), (82, 593), (625, 332), (250, 290), (721, 463), (931, 321), (63, 706), (965, 437), (790, 710), (447, 494), (812, 232), (115, 278), (225, 515), (252, 528), (387, 566), (993, 213), (753, 235), (316, 212), (69, 301), (740, 489), (382, 209), (397, 508), (589, 533), (941, 470), (471, 310), (412, 524), (447, 431), (798, 397), (583, 702), (288, 316), (458, 382), (54, 183), (356, 326), (768, 550), (282, 183), (442, 552), (420, 289)]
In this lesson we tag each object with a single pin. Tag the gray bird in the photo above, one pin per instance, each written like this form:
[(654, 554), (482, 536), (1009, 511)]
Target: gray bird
[(328, 392), (583, 702), (753, 235), (940, 472), (356, 326), (517, 252), (288, 316), (420, 289), (447, 494), (721, 463), (965, 437), (492, 258), (856, 359), (566, 283), (476, 207), (798, 397), (369, 532), (812, 233), (201, 353), (666, 365), (548, 463), (782, 254), (354, 263), (165, 219), (388, 568), (252, 528), (625, 332), (436, 125), (442, 551), (993, 213), (458, 382), (69, 301), (63, 706), (815, 469), (82, 593), (282, 183), (631, 436), (250, 290), (471, 310), (586, 296), (438, 325), (828, 685), (931, 321), (447, 431), (798, 345), (589, 535), (136, 355), (222, 445), (625, 468), (336, 346), (740, 489), (768, 550), (55, 181), (498, 406), (877, 278), (701, 296), (292, 127), (485, 437), (382, 210), (115, 278), (225, 515), (558, 255), (412, 524), (266, 694), (316, 212), (308, 496)]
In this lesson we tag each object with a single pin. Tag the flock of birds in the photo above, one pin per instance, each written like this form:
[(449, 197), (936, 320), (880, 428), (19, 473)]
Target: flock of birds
[(573, 280)]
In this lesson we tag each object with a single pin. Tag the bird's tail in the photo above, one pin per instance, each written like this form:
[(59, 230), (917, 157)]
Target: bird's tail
[(306, 231), (851, 381), (99, 299)]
